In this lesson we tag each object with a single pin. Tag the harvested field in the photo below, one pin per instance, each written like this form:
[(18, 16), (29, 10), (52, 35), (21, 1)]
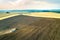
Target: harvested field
[(5, 15), (32, 28)]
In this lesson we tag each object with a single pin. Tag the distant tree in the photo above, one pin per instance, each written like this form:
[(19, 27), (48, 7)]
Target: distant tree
[(7, 12)]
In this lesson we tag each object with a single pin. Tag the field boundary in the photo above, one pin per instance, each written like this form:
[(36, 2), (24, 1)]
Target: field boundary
[(5, 17)]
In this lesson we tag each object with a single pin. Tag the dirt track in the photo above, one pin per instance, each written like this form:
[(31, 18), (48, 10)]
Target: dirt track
[(32, 28)]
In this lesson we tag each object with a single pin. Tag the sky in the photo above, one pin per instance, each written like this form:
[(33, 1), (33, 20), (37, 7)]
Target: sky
[(29, 4)]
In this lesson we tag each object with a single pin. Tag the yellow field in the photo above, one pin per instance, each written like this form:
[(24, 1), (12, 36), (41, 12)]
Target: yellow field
[(5, 15), (44, 14), (35, 14)]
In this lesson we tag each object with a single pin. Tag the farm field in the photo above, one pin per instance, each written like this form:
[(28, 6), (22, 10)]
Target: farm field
[(44, 14), (31, 27), (7, 15)]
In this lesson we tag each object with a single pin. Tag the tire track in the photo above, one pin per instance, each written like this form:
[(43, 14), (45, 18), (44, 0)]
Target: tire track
[(40, 29)]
